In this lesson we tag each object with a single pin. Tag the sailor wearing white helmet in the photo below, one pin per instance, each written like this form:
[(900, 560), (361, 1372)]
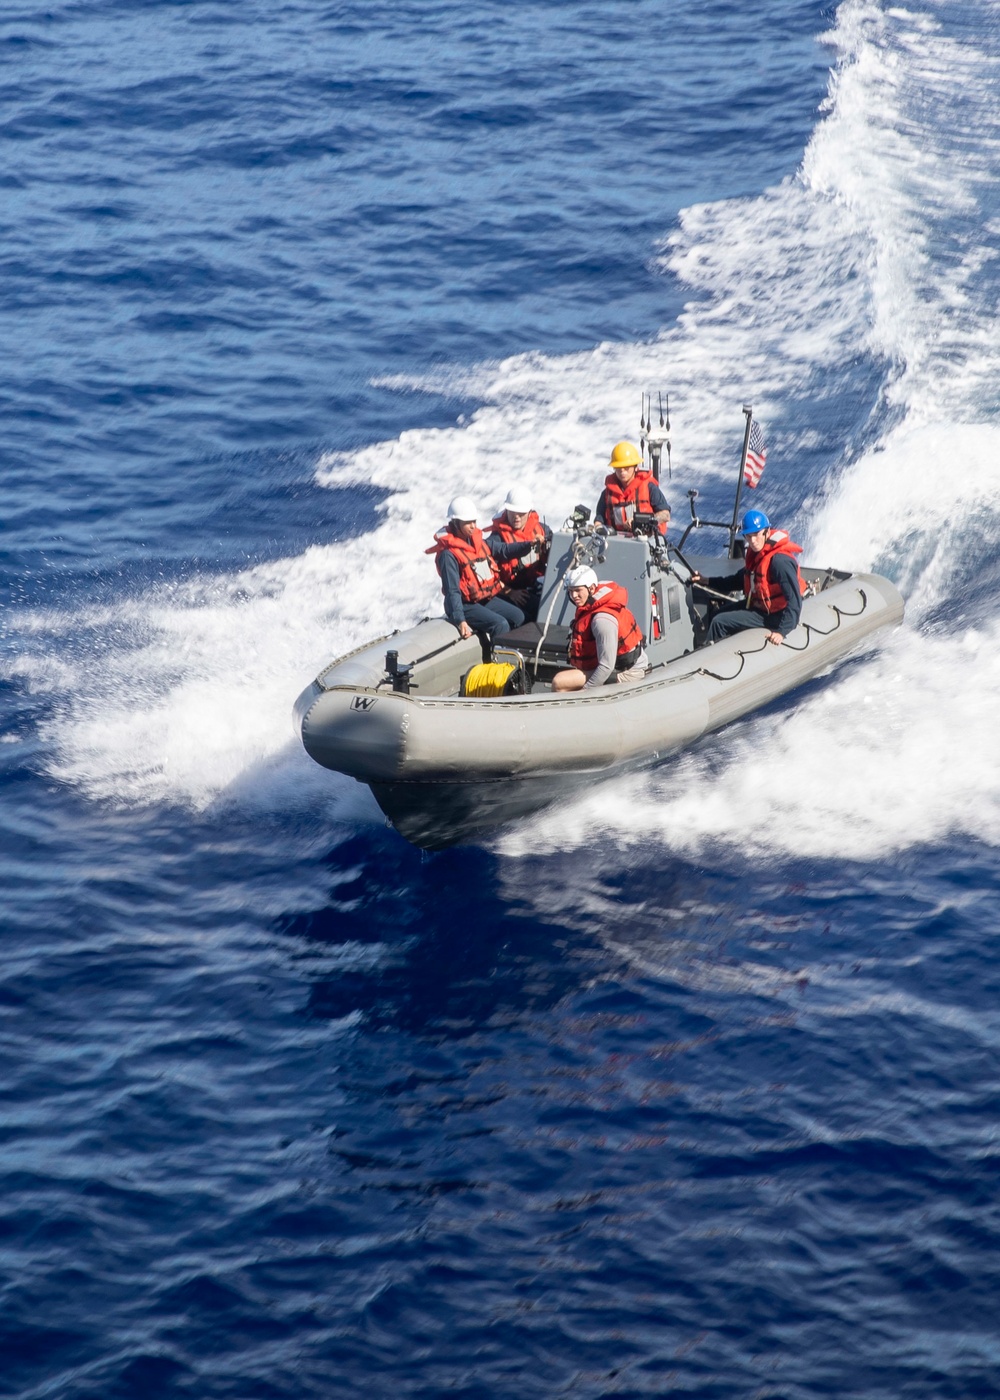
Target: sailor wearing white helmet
[(470, 576), (517, 523), (605, 642)]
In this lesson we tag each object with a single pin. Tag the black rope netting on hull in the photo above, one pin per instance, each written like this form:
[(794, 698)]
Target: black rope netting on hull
[(810, 627)]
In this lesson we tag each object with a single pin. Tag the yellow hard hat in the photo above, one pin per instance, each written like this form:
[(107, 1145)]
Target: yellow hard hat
[(624, 454)]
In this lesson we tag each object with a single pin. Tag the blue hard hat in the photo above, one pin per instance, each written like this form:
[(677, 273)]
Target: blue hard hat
[(753, 521)]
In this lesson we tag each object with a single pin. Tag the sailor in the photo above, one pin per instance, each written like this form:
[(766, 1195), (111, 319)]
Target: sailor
[(605, 643), (771, 582), (518, 523), (470, 575), (628, 491)]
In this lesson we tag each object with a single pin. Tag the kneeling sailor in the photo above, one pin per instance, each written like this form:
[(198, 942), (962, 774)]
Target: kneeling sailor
[(518, 523), (771, 581), (605, 642), (470, 576)]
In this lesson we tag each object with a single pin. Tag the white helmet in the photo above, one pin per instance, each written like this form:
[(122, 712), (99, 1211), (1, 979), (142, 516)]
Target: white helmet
[(463, 509), (518, 500), (582, 576)]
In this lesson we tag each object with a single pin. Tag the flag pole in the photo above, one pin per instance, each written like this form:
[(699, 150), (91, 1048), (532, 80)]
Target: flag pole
[(733, 529)]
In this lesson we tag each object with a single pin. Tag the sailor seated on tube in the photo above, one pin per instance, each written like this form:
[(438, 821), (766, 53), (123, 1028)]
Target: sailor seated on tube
[(470, 575), (517, 523), (628, 491), (771, 583), (605, 643)]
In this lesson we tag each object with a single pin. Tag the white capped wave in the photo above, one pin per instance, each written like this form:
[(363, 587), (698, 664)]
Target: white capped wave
[(882, 246), (899, 751), (891, 200), (184, 694)]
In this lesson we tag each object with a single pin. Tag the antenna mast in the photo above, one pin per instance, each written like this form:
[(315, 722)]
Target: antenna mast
[(655, 439)]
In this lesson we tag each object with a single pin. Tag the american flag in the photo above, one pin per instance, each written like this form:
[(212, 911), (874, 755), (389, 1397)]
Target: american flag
[(753, 469)]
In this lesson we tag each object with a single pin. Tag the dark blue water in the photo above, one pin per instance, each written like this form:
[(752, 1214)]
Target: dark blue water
[(689, 1087)]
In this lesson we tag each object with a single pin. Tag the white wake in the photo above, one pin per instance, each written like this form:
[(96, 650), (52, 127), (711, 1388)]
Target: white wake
[(882, 246)]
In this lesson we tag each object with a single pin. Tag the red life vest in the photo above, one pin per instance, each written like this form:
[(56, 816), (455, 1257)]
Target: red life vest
[(479, 577), (610, 598), (760, 592), (530, 566), (622, 502)]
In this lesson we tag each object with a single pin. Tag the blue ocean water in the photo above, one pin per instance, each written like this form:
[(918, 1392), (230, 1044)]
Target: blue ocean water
[(688, 1087)]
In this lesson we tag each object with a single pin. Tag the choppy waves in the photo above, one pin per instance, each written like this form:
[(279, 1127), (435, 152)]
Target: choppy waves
[(855, 304), (686, 1087)]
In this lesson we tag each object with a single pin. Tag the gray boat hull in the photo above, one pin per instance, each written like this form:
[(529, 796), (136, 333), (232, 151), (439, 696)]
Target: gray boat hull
[(444, 768)]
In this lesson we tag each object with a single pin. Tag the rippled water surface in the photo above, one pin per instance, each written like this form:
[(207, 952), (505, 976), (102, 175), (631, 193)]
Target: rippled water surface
[(687, 1087)]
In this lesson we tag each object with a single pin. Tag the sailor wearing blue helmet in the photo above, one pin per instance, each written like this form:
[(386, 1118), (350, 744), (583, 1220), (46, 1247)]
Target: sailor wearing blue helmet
[(771, 584)]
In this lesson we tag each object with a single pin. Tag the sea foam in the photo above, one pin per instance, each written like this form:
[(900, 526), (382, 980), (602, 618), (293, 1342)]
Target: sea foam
[(880, 246)]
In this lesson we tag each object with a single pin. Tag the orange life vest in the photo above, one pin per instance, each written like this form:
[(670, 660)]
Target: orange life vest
[(610, 598), (530, 566), (622, 502), (760, 592), (479, 577)]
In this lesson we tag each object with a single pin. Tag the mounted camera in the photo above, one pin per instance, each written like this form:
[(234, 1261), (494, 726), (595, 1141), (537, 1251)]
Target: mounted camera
[(580, 517), (643, 524)]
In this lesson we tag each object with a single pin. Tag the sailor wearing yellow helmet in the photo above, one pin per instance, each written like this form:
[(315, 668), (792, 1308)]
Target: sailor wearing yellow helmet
[(629, 491)]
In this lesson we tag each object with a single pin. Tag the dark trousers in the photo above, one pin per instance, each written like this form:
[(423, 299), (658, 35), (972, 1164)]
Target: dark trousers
[(736, 619), (525, 599), (492, 620)]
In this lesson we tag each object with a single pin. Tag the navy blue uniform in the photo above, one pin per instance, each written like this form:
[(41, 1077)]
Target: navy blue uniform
[(494, 617), (656, 499), (781, 570)]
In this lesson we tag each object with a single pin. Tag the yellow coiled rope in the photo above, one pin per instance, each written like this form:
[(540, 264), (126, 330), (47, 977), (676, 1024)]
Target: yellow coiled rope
[(488, 679)]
